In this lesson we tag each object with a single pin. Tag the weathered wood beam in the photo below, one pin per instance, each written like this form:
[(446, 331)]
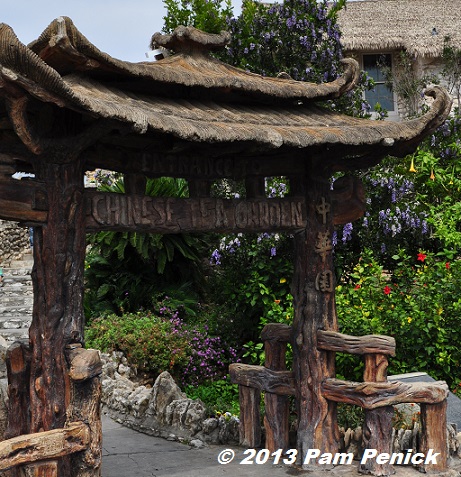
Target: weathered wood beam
[(41, 469), (374, 395), (23, 201), (44, 445), (368, 344), (277, 408), (313, 290), (199, 188), (276, 332), (259, 377), (18, 371), (193, 166), (434, 435), (135, 184), (250, 417), (85, 400)]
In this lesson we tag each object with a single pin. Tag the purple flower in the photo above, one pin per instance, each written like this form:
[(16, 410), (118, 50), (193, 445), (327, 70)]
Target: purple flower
[(347, 232), (215, 258), (273, 251)]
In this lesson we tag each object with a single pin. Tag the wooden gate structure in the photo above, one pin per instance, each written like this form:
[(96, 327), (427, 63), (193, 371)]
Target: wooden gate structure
[(66, 107)]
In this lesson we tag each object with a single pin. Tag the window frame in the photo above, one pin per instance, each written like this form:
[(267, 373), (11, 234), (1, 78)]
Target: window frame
[(392, 115)]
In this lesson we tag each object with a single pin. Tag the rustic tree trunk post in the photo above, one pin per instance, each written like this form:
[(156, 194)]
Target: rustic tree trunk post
[(377, 425), (250, 416), (18, 371), (85, 369), (314, 309), (43, 469), (277, 408), (434, 435), (59, 254)]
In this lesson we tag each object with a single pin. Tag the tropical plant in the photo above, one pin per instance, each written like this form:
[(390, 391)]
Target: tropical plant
[(125, 271)]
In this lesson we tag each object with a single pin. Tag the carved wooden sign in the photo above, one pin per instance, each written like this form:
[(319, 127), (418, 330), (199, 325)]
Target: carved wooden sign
[(173, 215), (197, 167)]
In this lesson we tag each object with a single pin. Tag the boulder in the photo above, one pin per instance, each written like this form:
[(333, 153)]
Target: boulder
[(3, 406), (3, 349)]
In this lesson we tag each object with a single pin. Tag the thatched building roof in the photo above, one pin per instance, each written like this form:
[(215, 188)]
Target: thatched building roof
[(189, 102), (418, 26)]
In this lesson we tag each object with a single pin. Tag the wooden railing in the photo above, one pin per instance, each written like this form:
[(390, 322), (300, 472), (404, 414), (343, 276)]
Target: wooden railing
[(39, 453), (375, 395)]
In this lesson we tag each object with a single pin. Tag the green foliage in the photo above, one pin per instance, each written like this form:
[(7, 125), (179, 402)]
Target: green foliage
[(148, 341), (418, 304), (250, 274), (164, 340), (125, 271), (350, 417), (219, 397), (207, 15)]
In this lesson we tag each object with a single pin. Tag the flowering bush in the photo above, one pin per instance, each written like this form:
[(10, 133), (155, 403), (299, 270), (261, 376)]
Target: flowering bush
[(163, 341), (418, 304)]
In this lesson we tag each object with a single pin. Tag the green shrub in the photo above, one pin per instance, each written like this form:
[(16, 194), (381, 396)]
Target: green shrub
[(148, 341), (164, 341), (219, 396), (418, 304)]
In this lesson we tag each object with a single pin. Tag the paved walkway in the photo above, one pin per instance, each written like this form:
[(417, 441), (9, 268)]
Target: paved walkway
[(127, 453)]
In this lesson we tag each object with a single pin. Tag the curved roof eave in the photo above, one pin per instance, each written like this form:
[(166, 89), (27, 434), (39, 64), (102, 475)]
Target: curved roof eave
[(291, 124)]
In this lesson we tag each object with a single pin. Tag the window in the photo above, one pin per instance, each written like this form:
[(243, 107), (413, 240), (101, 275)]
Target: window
[(382, 94)]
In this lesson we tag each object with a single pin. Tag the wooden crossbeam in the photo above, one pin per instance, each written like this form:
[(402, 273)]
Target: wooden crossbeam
[(259, 377), (276, 332), (371, 395), (44, 445), (21, 200), (26, 201), (369, 344)]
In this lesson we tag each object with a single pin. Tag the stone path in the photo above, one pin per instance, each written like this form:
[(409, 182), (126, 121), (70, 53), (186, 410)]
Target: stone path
[(16, 299)]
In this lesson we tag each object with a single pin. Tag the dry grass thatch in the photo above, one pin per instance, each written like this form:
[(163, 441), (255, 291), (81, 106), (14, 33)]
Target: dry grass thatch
[(194, 97), (418, 26)]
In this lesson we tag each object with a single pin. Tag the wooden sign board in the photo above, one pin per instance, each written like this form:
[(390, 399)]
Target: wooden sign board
[(119, 212), (198, 167)]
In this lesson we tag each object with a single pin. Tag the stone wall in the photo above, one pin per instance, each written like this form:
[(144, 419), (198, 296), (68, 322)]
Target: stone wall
[(14, 241), (161, 410)]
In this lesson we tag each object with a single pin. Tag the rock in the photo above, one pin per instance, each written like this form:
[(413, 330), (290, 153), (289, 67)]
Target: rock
[(3, 349), (197, 443), (164, 392), (3, 406), (209, 425)]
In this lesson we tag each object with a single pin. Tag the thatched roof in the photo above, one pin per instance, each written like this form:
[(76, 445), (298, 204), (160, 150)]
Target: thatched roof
[(418, 26), (193, 98)]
